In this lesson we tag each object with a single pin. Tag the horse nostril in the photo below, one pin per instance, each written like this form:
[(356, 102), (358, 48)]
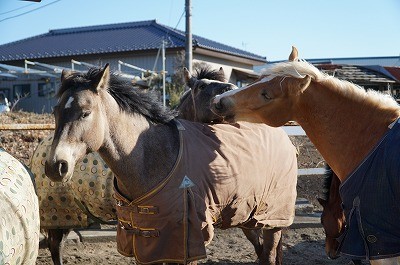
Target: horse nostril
[(62, 168), (218, 105)]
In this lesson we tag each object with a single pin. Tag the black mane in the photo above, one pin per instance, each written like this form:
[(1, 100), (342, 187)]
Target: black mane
[(206, 72), (328, 176), (203, 72), (129, 98)]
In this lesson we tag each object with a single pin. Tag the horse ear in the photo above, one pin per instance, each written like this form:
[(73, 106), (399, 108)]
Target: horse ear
[(221, 70), (102, 79), (187, 75), (294, 54), (65, 74), (189, 79), (322, 202), (304, 83)]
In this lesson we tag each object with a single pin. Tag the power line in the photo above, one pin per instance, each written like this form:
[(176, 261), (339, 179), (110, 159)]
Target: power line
[(16, 9), (179, 21), (30, 11)]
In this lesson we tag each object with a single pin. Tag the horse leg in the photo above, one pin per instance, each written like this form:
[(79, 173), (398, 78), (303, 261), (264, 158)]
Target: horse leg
[(272, 246), (56, 239), (254, 236)]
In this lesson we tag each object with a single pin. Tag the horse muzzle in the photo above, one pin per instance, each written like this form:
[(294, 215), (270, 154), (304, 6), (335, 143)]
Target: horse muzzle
[(222, 106), (57, 171)]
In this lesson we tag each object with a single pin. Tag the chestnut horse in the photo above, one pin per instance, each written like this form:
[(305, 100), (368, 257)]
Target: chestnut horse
[(332, 217), (149, 151), (352, 129)]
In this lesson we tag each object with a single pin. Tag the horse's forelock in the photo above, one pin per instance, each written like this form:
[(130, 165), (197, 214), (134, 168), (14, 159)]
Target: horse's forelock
[(205, 72), (297, 69), (77, 79)]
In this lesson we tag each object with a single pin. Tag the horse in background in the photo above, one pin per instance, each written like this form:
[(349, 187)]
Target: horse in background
[(332, 217), (148, 130), (19, 229), (357, 133), (205, 83), (85, 201)]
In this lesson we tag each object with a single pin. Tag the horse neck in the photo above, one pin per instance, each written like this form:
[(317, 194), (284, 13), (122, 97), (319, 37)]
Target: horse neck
[(138, 152), (343, 126)]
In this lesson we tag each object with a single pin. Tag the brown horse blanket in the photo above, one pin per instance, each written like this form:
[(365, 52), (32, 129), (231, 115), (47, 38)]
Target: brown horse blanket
[(241, 175)]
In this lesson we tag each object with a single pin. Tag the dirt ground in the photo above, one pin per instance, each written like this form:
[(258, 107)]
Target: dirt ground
[(301, 246)]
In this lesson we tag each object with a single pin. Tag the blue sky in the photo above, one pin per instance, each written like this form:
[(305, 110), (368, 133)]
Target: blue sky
[(319, 28)]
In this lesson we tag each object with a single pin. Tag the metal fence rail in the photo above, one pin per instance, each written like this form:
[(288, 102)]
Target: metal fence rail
[(27, 126)]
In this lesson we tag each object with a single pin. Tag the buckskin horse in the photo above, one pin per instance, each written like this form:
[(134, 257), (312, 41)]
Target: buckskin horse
[(356, 131), (19, 229), (175, 179), (88, 197)]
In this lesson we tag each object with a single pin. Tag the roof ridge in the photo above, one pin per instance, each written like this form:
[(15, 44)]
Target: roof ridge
[(226, 45), (167, 29), (101, 27)]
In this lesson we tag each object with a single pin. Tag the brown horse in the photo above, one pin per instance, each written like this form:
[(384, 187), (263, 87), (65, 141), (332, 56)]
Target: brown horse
[(352, 129), (157, 158), (332, 218)]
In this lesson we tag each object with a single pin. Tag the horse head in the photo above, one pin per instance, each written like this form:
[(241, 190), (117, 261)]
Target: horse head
[(269, 98), (204, 85), (332, 219), (80, 118)]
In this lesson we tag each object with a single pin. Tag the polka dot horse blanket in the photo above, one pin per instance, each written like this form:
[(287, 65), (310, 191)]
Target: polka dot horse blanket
[(89, 193), (371, 196), (241, 175), (19, 213)]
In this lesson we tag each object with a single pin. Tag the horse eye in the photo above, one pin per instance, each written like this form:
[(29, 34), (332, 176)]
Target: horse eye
[(202, 86), (266, 96), (85, 114)]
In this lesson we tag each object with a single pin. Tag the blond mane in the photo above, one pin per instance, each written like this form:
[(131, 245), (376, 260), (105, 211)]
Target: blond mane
[(301, 68)]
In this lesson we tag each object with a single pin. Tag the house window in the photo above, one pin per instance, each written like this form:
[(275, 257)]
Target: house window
[(46, 89), (22, 91)]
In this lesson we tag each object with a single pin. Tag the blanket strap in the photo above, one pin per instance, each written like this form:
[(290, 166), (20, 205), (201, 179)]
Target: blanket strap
[(129, 229)]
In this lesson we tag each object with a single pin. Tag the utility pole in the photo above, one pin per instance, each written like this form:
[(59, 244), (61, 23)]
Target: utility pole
[(188, 44), (163, 71)]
